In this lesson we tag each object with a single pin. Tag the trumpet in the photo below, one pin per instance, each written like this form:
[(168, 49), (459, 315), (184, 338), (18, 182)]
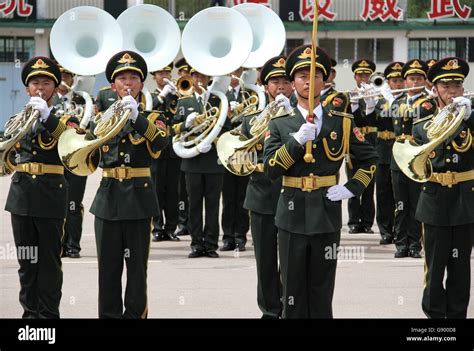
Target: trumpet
[(250, 102), (371, 90)]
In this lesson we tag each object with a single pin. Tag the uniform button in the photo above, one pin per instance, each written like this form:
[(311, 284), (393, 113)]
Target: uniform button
[(121, 154), (314, 146), (122, 165), (123, 141), (282, 190), (403, 126), (33, 176), (424, 188), (448, 160), (60, 185), (145, 185), (33, 141), (448, 147), (34, 152)]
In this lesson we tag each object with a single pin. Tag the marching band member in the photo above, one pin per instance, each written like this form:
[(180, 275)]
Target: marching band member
[(38, 194), (385, 139), (446, 200), (308, 214), (262, 196), (362, 209), (165, 169), (203, 173), (406, 109), (77, 184), (235, 219), (126, 201)]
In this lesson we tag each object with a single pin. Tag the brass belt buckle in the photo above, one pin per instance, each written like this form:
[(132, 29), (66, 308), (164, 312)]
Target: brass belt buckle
[(447, 179), (385, 135), (122, 173), (308, 183), (35, 168)]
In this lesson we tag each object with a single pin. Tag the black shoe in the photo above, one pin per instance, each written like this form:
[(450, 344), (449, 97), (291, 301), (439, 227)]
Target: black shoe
[(212, 254), (367, 230), (415, 254), (170, 237), (64, 253), (74, 254), (240, 247), (156, 237), (386, 240), (401, 254), (354, 229), (228, 247), (182, 230), (196, 253)]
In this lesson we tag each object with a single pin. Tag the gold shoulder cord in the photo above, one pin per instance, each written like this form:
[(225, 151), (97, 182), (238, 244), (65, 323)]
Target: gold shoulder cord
[(464, 147), (152, 118), (344, 149), (51, 144)]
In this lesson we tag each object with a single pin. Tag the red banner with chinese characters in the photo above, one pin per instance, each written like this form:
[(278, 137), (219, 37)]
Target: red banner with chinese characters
[(20, 8)]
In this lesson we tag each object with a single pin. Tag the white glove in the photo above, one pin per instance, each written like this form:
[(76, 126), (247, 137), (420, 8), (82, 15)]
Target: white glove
[(167, 89), (338, 193), (129, 103), (369, 105), (233, 105), (306, 133), (463, 101), (190, 119), (283, 101), (204, 148), (387, 93), (42, 106)]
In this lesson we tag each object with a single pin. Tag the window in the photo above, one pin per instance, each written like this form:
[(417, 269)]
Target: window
[(16, 48), (384, 50), (329, 45), (438, 48), (291, 44), (365, 49), (346, 50)]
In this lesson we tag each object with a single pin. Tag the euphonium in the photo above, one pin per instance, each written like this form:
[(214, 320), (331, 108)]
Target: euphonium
[(236, 152), (15, 129), (413, 159), (80, 153)]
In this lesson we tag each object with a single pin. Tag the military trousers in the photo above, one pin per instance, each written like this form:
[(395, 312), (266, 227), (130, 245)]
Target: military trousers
[(265, 240), (447, 249), (75, 212), (385, 201), (308, 273), (183, 203), (204, 187), (119, 241), (235, 218), (361, 208), (165, 175), (407, 229), (38, 244)]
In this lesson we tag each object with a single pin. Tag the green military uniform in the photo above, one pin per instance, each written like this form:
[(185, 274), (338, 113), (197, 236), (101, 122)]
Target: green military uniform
[(385, 139), (445, 209), (105, 98), (406, 191), (77, 187), (37, 201), (261, 200), (165, 171), (235, 218), (362, 209), (203, 175), (308, 222), (125, 204)]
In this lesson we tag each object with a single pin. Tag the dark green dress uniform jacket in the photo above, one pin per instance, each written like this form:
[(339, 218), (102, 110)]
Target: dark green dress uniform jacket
[(105, 98), (312, 212), (440, 205), (133, 147), (404, 116), (384, 123), (167, 110), (42, 196), (262, 192), (202, 163)]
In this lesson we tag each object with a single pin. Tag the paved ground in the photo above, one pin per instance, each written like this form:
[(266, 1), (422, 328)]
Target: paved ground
[(371, 284)]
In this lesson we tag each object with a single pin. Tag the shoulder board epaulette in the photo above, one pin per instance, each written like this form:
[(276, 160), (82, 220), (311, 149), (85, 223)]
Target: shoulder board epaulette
[(424, 119), (105, 88), (291, 114), (185, 97), (340, 114)]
